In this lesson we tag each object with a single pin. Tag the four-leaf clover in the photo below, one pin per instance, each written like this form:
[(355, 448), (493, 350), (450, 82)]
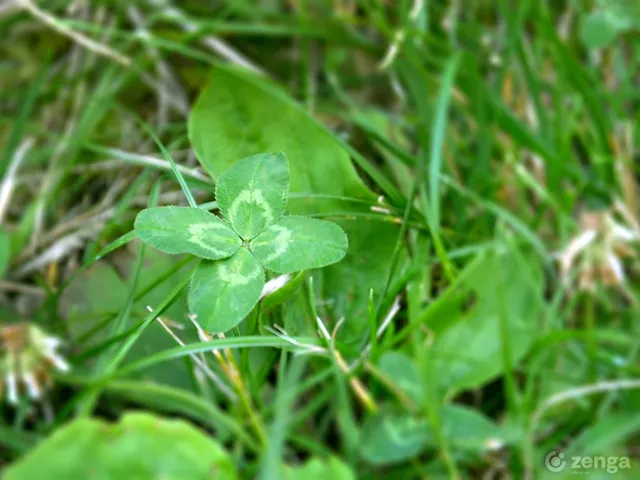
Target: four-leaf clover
[(255, 234)]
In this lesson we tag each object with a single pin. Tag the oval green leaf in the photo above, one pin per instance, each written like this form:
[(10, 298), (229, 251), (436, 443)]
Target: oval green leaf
[(222, 293), (469, 429), (253, 193), (392, 438), (140, 446), (497, 287), (598, 29), (299, 243), (402, 372), (317, 469), (186, 230)]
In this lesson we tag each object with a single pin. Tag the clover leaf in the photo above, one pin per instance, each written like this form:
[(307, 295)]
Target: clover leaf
[(253, 194), (139, 446), (254, 234), (222, 293), (187, 230)]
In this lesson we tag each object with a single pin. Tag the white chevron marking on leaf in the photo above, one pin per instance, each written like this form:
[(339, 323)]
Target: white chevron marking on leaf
[(198, 232), (255, 198), (282, 242)]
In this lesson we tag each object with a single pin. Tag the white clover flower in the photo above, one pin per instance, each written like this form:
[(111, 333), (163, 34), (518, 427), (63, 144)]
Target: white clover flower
[(28, 355), (594, 254)]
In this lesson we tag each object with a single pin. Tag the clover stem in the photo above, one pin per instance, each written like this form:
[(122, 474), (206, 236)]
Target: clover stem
[(234, 375)]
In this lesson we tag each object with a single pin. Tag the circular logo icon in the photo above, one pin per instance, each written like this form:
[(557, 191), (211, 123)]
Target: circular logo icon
[(554, 461)]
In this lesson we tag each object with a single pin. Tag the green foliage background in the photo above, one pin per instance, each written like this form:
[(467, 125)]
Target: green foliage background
[(456, 143)]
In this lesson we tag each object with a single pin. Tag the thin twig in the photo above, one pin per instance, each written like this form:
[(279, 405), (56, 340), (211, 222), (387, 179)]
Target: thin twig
[(399, 37), (577, 392), (168, 89), (9, 181), (151, 161), (62, 29), (303, 348), (570, 394), (95, 217), (6, 286), (231, 370), (358, 388), (215, 44), (59, 250), (204, 368)]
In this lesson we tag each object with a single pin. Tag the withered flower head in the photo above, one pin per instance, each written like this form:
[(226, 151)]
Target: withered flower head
[(595, 253), (28, 355)]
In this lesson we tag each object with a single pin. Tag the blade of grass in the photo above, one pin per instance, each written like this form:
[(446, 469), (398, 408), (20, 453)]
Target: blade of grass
[(437, 138), (183, 185), (19, 124), (288, 381)]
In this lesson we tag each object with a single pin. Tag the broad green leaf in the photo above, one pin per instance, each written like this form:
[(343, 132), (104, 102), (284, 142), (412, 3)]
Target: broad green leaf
[(299, 243), (238, 114), (599, 29), (186, 230), (253, 193), (608, 20), (468, 429), (401, 371), (316, 469), (222, 293), (468, 346), (93, 299), (392, 438), (179, 402), (365, 267), (139, 447), (299, 317)]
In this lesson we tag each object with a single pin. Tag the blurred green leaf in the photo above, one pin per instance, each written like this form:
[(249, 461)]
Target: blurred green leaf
[(177, 401), (93, 299), (599, 29), (391, 438), (400, 370), (230, 121), (139, 447), (316, 469), (468, 429), (608, 20), (468, 348)]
